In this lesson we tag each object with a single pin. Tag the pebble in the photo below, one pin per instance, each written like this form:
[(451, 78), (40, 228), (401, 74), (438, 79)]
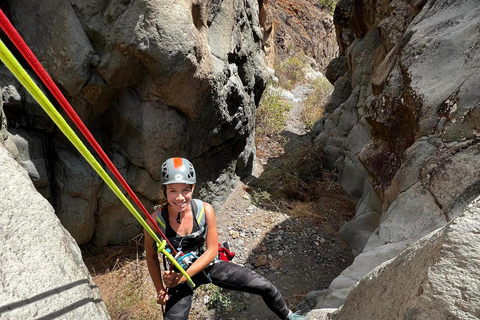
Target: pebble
[(262, 261)]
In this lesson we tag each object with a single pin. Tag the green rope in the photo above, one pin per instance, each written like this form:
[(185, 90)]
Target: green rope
[(12, 64)]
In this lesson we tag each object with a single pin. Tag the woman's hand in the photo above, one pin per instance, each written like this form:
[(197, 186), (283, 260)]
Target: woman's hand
[(172, 279), (162, 297)]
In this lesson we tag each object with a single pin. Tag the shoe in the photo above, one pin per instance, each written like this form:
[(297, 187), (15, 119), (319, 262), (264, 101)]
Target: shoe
[(296, 316)]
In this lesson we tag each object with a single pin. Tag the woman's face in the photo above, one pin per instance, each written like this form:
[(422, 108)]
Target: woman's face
[(179, 195)]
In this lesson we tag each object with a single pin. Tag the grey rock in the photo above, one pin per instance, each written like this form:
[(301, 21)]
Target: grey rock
[(56, 36), (365, 262), (11, 148), (352, 176), (60, 279), (336, 68), (341, 91), (429, 46), (455, 181), (357, 138), (157, 128), (415, 157), (320, 314), (32, 153), (412, 215), (435, 278), (76, 192)]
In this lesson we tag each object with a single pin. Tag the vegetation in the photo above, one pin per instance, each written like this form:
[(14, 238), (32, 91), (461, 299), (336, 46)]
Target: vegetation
[(133, 294), (314, 105), (329, 5), (219, 298), (289, 71), (271, 114), (293, 177)]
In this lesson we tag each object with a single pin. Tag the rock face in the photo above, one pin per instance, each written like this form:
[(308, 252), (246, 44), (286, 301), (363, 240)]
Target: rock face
[(151, 80), (401, 127), (435, 278), (41, 267), (305, 25)]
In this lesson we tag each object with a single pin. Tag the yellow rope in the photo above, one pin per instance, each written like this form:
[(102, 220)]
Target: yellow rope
[(12, 64)]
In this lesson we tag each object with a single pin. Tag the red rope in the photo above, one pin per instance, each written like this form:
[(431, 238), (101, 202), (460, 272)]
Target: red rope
[(17, 40)]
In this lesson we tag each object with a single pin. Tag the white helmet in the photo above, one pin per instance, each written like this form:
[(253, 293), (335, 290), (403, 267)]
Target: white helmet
[(178, 170)]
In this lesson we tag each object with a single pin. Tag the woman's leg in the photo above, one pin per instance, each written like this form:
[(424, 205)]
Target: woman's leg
[(178, 306), (180, 302), (234, 277)]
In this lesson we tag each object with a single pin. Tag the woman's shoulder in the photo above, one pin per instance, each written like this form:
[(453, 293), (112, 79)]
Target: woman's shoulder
[(203, 203)]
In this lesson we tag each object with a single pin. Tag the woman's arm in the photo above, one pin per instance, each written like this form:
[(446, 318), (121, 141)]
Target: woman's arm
[(154, 266), (172, 278)]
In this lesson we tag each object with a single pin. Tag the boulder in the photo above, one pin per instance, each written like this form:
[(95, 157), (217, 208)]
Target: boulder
[(147, 132), (32, 153), (76, 189), (445, 35), (455, 180), (43, 274), (414, 214), (336, 68), (435, 278), (365, 262)]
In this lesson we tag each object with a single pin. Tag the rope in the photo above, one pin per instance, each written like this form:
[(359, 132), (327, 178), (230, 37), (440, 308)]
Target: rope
[(17, 40), (12, 64)]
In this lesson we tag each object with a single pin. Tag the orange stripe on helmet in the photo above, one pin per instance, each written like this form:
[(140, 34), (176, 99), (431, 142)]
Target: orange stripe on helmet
[(177, 163)]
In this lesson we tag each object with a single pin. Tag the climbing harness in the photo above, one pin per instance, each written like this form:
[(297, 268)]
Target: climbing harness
[(19, 72)]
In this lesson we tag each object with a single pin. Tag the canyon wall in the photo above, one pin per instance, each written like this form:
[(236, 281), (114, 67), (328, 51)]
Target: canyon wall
[(402, 131)]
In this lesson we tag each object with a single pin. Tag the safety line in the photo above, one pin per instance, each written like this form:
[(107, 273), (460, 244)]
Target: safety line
[(12, 64), (17, 40)]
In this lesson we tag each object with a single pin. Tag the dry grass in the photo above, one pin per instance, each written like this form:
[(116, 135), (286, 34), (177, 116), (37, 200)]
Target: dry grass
[(122, 275), (314, 104), (129, 293)]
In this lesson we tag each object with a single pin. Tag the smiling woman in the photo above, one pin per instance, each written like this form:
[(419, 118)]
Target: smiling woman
[(189, 224)]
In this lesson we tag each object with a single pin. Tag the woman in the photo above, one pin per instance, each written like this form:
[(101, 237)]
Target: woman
[(190, 226)]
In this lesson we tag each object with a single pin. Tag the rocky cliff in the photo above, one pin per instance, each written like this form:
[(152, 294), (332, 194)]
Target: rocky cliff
[(151, 80), (41, 267), (402, 130), (303, 25)]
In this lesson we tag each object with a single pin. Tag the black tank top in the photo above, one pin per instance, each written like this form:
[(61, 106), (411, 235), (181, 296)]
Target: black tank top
[(188, 243)]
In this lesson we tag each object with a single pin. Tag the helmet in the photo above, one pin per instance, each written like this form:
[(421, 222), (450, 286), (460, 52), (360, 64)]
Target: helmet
[(178, 170)]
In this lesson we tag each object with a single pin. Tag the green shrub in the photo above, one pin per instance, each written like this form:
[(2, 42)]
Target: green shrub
[(289, 70), (329, 5), (220, 298), (314, 104), (271, 114)]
